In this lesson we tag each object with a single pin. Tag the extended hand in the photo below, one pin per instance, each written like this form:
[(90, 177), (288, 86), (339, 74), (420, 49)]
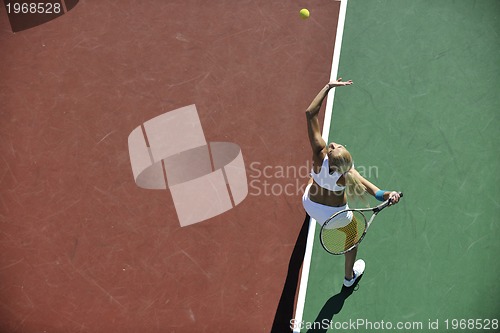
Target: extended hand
[(394, 197), (339, 83)]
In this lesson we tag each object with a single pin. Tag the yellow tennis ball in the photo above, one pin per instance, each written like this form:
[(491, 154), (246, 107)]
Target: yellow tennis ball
[(304, 13)]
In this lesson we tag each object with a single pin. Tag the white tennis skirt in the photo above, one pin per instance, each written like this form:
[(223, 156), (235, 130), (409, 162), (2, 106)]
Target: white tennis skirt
[(321, 213)]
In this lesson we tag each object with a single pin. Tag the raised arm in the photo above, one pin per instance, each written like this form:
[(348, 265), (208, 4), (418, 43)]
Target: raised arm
[(313, 127)]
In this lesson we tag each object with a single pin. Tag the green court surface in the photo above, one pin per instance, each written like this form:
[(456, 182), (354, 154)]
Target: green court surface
[(422, 117)]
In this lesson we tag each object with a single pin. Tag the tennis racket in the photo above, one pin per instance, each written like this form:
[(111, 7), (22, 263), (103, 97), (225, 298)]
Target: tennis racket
[(344, 230)]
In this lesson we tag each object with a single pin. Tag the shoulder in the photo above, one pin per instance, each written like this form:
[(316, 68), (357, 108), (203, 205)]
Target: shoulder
[(318, 159), (354, 172)]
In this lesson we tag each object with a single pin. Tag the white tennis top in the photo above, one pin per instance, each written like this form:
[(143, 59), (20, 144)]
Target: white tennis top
[(325, 179)]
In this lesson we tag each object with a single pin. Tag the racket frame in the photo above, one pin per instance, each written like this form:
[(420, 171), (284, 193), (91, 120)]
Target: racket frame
[(375, 210)]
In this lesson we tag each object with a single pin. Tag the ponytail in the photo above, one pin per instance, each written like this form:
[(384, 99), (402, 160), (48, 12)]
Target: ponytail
[(354, 188)]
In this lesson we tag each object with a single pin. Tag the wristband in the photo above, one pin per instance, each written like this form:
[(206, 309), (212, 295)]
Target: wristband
[(380, 195)]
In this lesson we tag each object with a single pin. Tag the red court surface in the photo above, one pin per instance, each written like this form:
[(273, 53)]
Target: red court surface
[(82, 248)]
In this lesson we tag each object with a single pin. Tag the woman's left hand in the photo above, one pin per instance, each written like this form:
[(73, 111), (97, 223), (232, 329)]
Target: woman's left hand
[(394, 197)]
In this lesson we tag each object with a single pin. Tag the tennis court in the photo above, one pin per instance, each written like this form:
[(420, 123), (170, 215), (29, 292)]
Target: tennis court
[(84, 248), (421, 117)]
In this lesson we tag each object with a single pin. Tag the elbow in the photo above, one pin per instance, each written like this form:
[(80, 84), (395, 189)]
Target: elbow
[(310, 113)]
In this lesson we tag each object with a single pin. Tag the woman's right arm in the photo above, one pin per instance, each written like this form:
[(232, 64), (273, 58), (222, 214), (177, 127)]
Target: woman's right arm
[(313, 127)]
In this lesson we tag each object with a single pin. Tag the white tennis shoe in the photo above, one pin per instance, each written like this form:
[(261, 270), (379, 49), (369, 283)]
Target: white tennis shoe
[(359, 269)]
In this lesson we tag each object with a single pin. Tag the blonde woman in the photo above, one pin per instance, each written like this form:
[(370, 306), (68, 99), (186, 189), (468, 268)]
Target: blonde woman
[(334, 179)]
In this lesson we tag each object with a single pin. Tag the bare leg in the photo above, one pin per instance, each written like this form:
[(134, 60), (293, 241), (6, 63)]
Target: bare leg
[(351, 234), (350, 258)]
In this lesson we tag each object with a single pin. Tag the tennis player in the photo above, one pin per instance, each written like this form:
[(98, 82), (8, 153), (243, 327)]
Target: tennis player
[(334, 179)]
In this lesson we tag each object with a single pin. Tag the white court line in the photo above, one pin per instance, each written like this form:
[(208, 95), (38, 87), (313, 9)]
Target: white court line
[(299, 311)]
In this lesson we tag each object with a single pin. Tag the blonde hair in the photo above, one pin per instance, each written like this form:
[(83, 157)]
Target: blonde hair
[(354, 188)]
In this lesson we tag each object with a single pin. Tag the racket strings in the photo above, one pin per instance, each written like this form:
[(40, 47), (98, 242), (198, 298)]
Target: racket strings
[(340, 240)]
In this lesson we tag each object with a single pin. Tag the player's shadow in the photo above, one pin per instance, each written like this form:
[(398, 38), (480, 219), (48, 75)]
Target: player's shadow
[(284, 312), (332, 307)]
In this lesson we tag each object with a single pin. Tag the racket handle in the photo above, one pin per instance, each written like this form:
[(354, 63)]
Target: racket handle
[(400, 195)]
